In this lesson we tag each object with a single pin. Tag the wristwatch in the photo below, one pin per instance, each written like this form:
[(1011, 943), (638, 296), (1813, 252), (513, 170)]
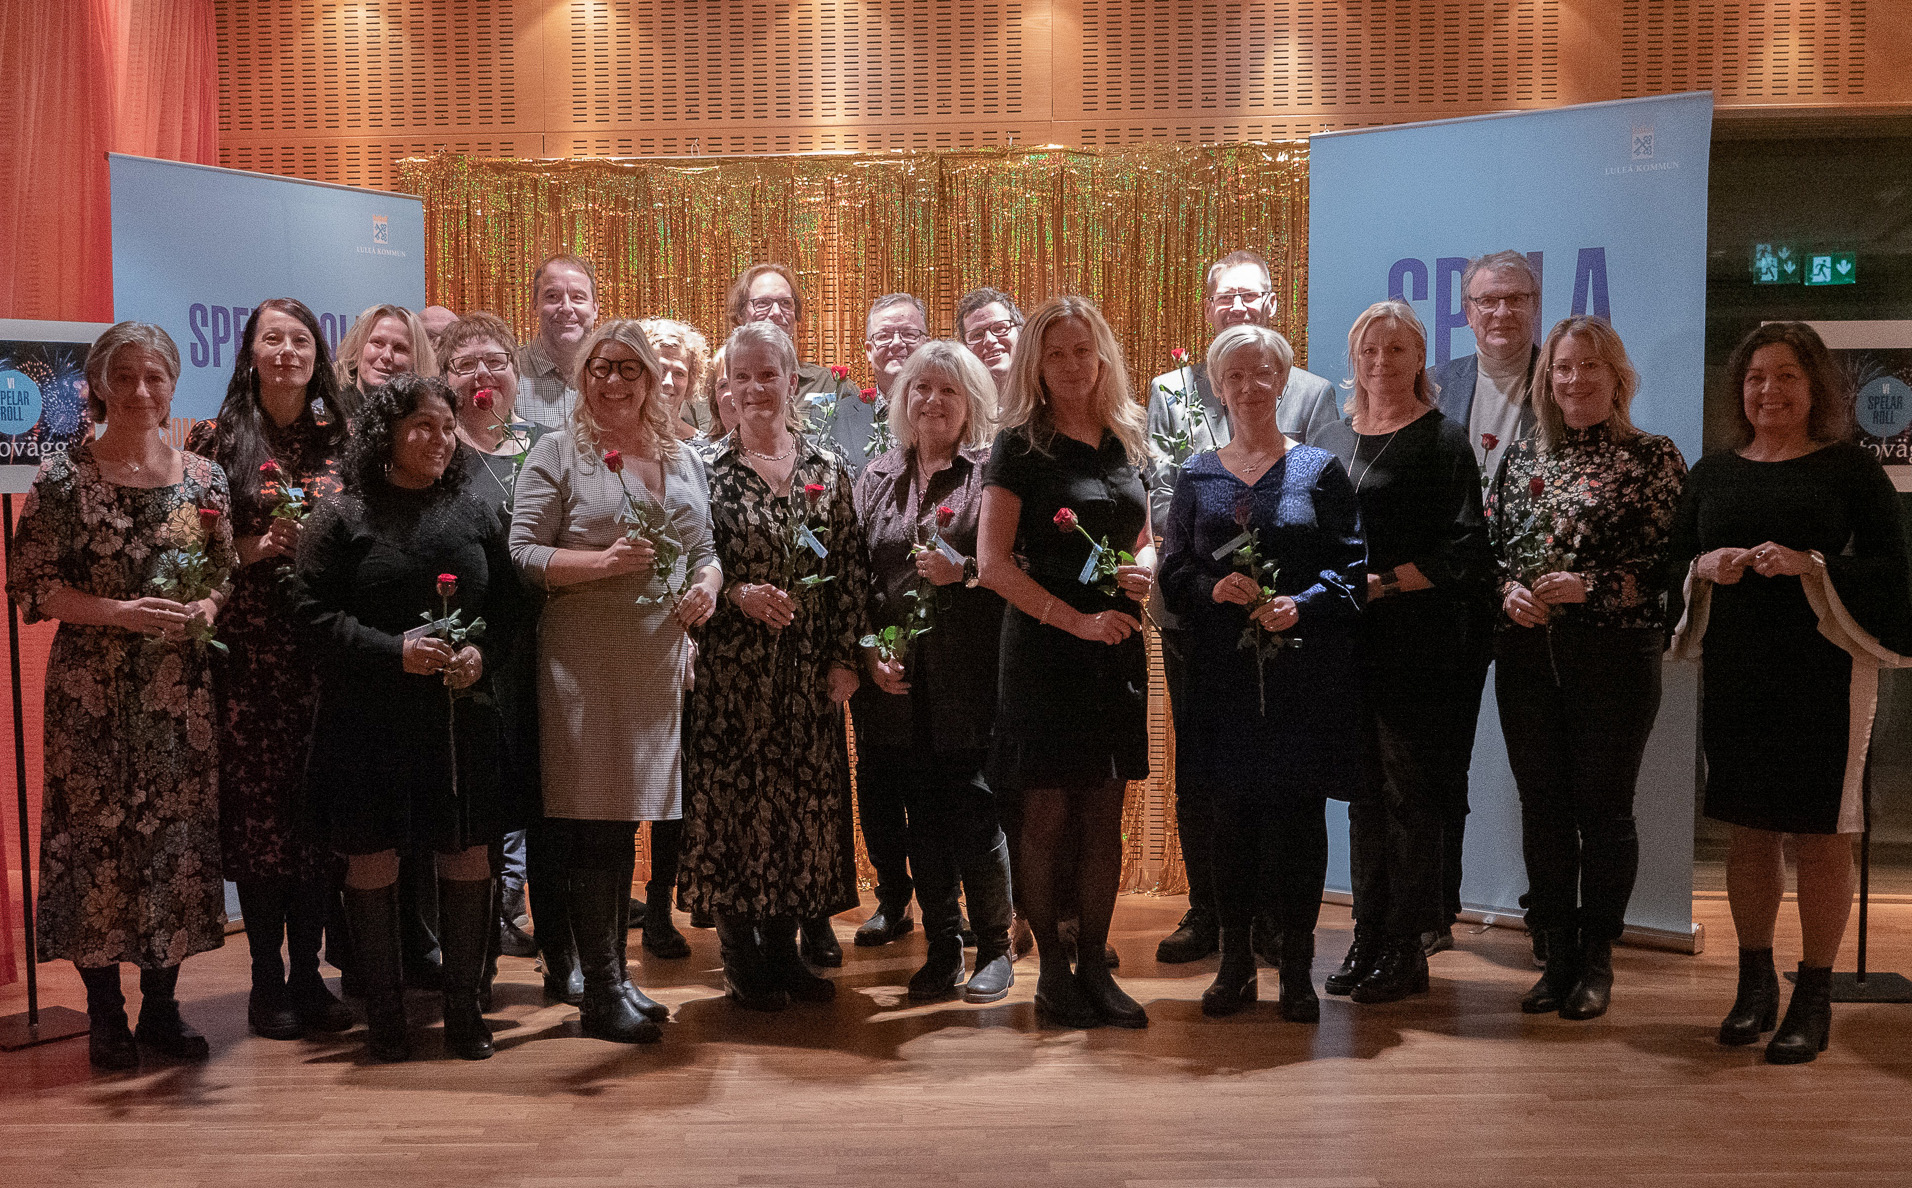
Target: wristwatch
[(972, 574)]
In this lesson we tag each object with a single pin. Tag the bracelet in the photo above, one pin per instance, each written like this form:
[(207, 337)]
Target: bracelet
[(1043, 619)]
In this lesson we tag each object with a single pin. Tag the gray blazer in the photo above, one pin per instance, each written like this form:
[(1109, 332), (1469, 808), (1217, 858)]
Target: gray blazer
[(850, 428)]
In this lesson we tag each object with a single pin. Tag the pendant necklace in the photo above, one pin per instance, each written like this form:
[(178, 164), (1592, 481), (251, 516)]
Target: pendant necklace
[(1366, 470)]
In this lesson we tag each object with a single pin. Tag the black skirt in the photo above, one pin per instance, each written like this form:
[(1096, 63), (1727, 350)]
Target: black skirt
[(1071, 713)]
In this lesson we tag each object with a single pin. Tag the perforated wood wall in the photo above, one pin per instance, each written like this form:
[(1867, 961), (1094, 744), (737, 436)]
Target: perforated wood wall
[(338, 89)]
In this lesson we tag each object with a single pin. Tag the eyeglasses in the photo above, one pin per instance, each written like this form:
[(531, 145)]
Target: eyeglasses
[(997, 330), (1564, 373), (903, 337), (764, 305), (495, 364), (1243, 296), (630, 369), (1490, 302)]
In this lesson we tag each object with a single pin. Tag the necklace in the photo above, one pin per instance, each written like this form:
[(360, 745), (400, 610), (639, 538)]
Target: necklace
[(771, 457), (1366, 470)]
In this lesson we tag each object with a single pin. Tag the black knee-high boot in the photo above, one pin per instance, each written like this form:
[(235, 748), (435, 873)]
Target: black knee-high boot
[(373, 918), (109, 1043), (1299, 1002), (465, 916), (600, 903), (784, 962), (314, 1005), (269, 1013), (160, 1026), (1234, 986), (661, 937)]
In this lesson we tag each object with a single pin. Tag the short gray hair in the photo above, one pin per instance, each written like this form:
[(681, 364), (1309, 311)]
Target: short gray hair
[(1510, 260), (979, 391), (763, 334), (99, 360), (1262, 338), (890, 301)]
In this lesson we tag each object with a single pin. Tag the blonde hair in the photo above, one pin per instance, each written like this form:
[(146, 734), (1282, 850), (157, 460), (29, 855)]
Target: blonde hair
[(1397, 313), (1026, 396), (585, 429), (979, 391), (687, 340), (767, 334), (1610, 350), (424, 360), (143, 336)]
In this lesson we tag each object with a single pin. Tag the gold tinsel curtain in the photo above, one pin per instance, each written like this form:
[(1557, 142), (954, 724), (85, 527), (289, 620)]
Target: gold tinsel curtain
[(1132, 228)]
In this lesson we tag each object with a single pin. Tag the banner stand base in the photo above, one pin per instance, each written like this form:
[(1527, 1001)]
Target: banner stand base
[(1872, 987), (56, 1023)]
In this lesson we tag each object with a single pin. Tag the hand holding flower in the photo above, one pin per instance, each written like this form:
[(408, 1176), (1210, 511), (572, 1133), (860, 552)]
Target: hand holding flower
[(887, 673), (1238, 588), (937, 569), (1276, 614), (625, 556), (464, 668), (424, 655), (1523, 607)]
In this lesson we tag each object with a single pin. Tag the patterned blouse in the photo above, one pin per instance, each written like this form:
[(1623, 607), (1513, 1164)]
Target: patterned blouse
[(1598, 505)]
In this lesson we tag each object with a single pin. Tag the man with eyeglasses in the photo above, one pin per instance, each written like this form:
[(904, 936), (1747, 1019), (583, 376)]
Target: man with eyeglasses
[(897, 324), (990, 325), (1488, 393), (564, 296), (768, 293), (1185, 418)]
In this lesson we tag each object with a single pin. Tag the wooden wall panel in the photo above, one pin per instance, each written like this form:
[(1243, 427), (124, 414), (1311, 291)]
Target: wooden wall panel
[(338, 89)]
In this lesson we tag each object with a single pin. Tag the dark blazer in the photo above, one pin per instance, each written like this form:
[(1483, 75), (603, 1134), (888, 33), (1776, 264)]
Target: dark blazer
[(1456, 379)]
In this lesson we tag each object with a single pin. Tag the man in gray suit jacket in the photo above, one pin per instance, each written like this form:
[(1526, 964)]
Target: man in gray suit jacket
[(1486, 394), (1185, 417)]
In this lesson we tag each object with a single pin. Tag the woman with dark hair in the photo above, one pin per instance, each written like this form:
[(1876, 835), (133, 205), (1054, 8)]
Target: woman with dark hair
[(406, 744), (1062, 489), (129, 849), (279, 437), (1579, 516), (1794, 558)]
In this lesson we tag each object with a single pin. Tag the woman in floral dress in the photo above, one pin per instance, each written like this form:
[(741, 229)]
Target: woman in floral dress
[(129, 848), (769, 839), (281, 430)]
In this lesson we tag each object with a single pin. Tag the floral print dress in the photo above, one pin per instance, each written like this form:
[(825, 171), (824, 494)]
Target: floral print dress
[(768, 828), (269, 685), (129, 842)]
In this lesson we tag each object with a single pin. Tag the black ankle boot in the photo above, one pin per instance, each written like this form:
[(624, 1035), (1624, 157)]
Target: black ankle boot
[(1562, 972), (312, 1003), (1060, 1000), (1299, 1003), (263, 908), (379, 969), (1112, 1003), (465, 928), (747, 978), (661, 938), (819, 945), (1363, 955), (1807, 1027), (600, 902), (1198, 935), (942, 973), (1756, 1006), (109, 1041), (557, 945), (160, 1026), (783, 963), (1592, 991), (1401, 972), (1236, 982), (889, 922)]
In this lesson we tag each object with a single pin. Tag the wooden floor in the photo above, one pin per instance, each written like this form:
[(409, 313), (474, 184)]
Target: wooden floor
[(1455, 1088)]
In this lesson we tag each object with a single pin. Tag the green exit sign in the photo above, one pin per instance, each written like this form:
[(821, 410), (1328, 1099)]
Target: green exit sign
[(1777, 264), (1832, 268)]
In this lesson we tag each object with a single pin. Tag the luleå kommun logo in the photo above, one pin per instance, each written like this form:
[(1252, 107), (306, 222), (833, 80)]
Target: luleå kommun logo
[(380, 228), (1642, 142)]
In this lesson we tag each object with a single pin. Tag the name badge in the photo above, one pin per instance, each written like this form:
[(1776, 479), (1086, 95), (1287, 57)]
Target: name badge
[(1087, 576), (433, 628), (808, 540), (1223, 551), (945, 548)]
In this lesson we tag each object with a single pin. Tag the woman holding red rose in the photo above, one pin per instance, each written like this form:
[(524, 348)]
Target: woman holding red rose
[(612, 521), (1063, 491), (129, 849), (406, 748), (769, 838), (280, 431), (1579, 515), (922, 729)]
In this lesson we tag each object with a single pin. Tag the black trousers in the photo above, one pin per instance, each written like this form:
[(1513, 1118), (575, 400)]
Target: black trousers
[(956, 842), (1453, 802), (1577, 704), (1270, 858), (1194, 805), (882, 810)]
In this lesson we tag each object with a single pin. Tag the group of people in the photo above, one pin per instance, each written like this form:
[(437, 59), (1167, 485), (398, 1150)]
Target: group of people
[(400, 633)]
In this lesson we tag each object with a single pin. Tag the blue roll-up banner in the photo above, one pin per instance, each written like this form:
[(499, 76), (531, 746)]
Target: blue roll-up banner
[(195, 248), (1610, 200)]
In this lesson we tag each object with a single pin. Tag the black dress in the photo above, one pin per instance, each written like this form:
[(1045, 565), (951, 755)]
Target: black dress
[(1778, 704), (380, 775), (1070, 712)]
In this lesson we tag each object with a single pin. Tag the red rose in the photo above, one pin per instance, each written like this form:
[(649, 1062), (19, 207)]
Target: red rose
[(839, 371), (813, 492), (614, 461), (482, 398), (1065, 520), (945, 516), (867, 395), (1242, 512), (1535, 487), (1489, 442), (208, 516), (447, 584), (269, 468), (1180, 356)]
